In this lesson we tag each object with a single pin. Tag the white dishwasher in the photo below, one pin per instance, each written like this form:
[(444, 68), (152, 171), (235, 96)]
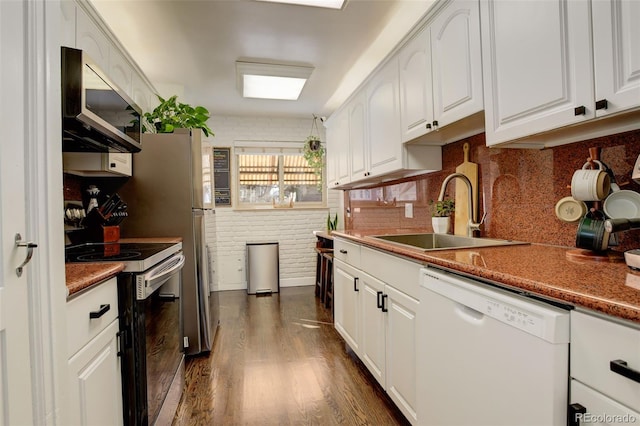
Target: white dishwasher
[(488, 356)]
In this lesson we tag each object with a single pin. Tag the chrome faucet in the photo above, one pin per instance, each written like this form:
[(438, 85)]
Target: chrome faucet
[(472, 225)]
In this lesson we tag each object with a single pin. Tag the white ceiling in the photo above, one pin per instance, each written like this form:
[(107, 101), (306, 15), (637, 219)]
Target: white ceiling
[(190, 47)]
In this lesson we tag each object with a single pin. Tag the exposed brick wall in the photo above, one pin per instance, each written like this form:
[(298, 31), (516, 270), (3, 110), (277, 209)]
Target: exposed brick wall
[(229, 230)]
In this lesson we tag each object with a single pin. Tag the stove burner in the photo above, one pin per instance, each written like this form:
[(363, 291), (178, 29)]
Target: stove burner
[(102, 257)]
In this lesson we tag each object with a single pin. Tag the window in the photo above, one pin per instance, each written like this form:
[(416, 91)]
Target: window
[(278, 178)]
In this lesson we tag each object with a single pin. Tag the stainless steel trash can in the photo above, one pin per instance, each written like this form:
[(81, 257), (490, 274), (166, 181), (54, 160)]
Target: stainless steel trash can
[(263, 267)]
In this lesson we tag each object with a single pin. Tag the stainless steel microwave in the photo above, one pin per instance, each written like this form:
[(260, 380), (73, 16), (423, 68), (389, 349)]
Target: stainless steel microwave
[(97, 116)]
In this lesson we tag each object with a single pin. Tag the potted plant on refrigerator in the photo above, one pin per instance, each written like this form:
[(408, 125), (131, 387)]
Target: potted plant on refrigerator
[(171, 114), (441, 215)]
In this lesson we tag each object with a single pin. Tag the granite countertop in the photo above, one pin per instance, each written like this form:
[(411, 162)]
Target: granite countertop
[(608, 287), (80, 276)]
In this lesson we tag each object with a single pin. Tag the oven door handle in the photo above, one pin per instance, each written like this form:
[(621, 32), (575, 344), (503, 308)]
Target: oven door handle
[(152, 280)]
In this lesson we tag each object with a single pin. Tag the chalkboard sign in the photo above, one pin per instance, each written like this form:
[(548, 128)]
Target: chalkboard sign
[(222, 176)]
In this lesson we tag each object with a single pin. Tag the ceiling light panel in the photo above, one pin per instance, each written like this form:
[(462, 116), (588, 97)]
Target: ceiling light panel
[(271, 81), (329, 4)]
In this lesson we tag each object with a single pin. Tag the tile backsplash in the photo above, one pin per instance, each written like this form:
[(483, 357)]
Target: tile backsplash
[(519, 189)]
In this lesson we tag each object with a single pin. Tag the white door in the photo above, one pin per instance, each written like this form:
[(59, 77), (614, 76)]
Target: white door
[(383, 121), (401, 335), (95, 392), (346, 287), (616, 44), (15, 352), (537, 66), (373, 326), (416, 98), (338, 149), (457, 64), (357, 137)]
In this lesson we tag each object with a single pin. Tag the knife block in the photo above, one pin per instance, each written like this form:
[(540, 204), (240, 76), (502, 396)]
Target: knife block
[(105, 234), (94, 219)]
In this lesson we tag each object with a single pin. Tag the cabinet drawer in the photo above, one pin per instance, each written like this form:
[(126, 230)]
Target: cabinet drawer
[(595, 343), (80, 326), (600, 409), (400, 273), (347, 252)]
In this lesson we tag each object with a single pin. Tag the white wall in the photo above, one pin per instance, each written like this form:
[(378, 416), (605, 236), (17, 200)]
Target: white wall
[(229, 230)]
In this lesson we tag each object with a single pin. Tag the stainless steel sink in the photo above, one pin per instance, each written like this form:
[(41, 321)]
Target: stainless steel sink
[(443, 241)]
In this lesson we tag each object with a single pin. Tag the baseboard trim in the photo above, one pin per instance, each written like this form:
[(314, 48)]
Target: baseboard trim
[(284, 282)]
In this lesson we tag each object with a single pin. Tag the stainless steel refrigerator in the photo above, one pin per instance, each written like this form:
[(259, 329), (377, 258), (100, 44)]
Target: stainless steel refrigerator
[(165, 198)]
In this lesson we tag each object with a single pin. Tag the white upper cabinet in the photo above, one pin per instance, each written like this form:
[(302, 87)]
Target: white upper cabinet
[(356, 109), (416, 96), (68, 24), (616, 42), (384, 153), (338, 149), (441, 77), (91, 39), (456, 62), (141, 93), (538, 64), (120, 71)]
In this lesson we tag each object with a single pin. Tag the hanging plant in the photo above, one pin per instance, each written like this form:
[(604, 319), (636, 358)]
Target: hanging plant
[(171, 114), (313, 152)]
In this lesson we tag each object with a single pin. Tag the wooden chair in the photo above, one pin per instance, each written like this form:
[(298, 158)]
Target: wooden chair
[(328, 280), (321, 273)]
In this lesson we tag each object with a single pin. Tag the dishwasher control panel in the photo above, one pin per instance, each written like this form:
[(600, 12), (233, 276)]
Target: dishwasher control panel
[(514, 316)]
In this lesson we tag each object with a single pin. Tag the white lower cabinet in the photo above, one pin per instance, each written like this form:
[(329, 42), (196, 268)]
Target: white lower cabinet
[(400, 350), (95, 389), (373, 347), (94, 378), (588, 406), (346, 303), (605, 371), (377, 320)]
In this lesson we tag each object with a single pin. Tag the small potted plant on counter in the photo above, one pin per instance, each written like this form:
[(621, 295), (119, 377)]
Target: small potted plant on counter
[(441, 215)]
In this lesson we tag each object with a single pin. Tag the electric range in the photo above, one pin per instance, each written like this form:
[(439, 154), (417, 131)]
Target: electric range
[(137, 257)]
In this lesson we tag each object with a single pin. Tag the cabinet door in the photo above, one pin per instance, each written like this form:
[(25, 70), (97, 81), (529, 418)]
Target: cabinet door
[(140, 92), (91, 39), (401, 338), (616, 43), (338, 150), (416, 98), (456, 61), (95, 390), (68, 24), (373, 327), (346, 304), (120, 71), (385, 149), (537, 66), (357, 137)]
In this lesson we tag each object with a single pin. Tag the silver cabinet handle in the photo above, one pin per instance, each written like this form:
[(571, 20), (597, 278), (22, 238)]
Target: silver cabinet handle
[(30, 245)]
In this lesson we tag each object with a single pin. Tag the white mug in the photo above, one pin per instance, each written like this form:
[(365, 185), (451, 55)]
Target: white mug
[(590, 184)]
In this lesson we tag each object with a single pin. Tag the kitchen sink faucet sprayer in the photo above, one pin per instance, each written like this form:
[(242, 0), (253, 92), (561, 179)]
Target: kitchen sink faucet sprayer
[(472, 225)]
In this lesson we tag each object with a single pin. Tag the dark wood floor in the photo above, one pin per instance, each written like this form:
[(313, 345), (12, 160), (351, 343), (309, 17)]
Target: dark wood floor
[(277, 360)]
